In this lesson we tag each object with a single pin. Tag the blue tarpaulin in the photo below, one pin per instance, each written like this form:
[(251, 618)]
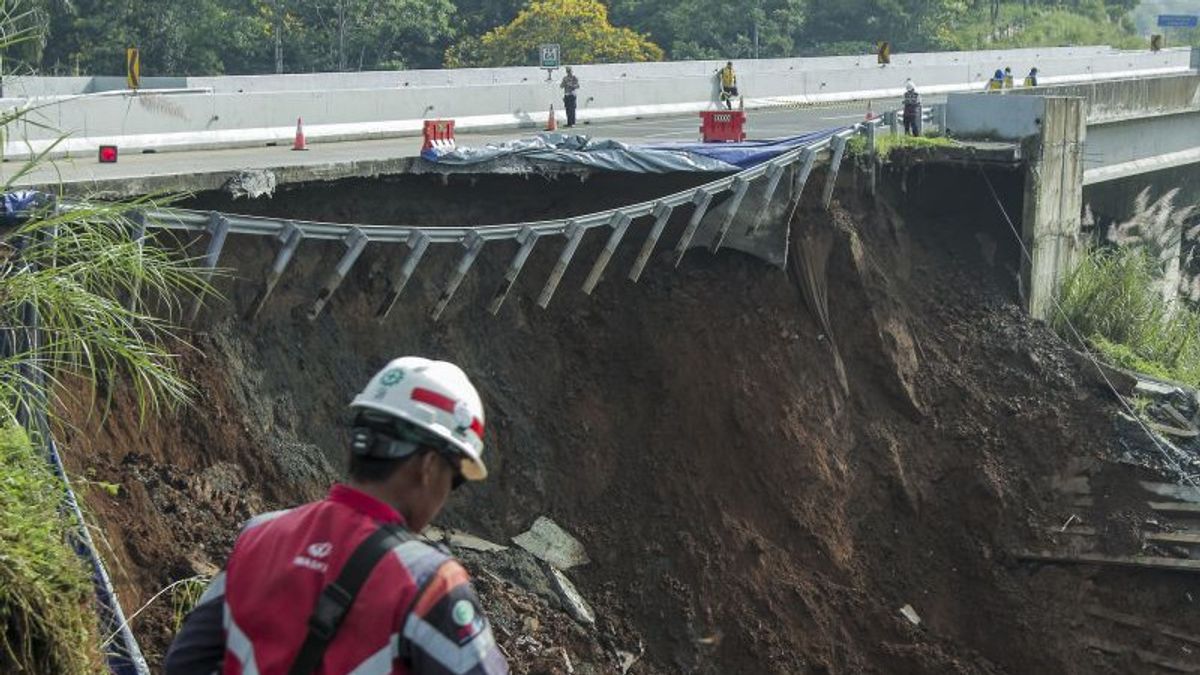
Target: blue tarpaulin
[(744, 154), (579, 150)]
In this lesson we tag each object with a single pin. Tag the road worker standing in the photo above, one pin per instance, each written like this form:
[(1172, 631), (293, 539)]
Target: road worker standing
[(912, 109), (729, 89), (343, 585), (569, 85), (997, 81), (1031, 78)]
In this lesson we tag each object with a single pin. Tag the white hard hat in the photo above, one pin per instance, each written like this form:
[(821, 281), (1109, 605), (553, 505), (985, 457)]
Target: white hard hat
[(908, 84), (435, 396)]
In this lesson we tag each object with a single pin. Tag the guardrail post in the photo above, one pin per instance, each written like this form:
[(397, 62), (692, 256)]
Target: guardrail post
[(774, 176), (662, 213), (702, 200), (290, 237), (740, 187), (839, 150), (355, 242), (892, 119), (574, 235), (474, 244), (418, 243), (527, 238), (218, 228), (619, 223)]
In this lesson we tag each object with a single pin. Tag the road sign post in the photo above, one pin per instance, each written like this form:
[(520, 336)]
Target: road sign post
[(133, 68), (550, 57)]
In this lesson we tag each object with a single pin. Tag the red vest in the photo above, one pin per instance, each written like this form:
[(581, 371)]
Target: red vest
[(282, 561)]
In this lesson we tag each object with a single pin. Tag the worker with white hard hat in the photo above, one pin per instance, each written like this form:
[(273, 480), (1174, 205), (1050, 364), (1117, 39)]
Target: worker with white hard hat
[(343, 584)]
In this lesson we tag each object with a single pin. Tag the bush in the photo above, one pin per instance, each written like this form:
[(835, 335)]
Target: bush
[(46, 602), (1114, 299)]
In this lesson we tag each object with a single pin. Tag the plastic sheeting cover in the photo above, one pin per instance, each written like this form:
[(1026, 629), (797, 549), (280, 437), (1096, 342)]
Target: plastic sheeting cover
[(744, 154), (580, 150)]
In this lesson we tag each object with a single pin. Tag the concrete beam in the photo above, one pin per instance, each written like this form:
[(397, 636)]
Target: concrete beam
[(1134, 146), (1129, 98)]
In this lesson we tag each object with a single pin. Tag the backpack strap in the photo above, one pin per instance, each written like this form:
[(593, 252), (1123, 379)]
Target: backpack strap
[(336, 599)]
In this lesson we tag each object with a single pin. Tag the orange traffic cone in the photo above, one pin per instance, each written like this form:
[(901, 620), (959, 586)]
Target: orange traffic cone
[(551, 122), (300, 143)]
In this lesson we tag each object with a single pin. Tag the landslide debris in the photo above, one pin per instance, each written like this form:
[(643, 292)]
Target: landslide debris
[(764, 467)]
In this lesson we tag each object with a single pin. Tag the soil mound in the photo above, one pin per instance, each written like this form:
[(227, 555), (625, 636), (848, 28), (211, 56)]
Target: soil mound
[(765, 467)]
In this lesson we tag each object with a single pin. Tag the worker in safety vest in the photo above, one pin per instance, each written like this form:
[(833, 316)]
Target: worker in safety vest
[(997, 81), (1008, 78), (912, 109), (729, 89), (343, 585), (1031, 78)]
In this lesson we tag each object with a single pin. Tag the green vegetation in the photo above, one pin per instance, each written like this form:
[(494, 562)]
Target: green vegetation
[(1114, 299), (886, 144), (581, 27), (46, 598), (100, 299), (185, 593), (209, 37)]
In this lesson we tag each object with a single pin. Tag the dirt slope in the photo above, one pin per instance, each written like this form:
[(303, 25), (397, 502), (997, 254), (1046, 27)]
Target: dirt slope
[(748, 509)]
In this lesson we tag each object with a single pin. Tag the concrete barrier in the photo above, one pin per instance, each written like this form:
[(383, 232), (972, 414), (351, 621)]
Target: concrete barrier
[(1001, 118), (1118, 100), (252, 110)]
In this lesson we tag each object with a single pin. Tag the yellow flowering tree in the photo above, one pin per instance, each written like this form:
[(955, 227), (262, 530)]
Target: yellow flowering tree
[(581, 27)]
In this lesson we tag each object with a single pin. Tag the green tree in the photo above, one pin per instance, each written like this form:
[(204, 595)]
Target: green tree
[(714, 29), (335, 35), (910, 25), (580, 26)]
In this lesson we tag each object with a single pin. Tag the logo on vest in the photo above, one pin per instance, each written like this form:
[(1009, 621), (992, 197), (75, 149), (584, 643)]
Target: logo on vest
[(313, 560)]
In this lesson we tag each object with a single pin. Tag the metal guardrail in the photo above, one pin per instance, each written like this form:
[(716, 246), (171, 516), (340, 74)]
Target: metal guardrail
[(290, 233)]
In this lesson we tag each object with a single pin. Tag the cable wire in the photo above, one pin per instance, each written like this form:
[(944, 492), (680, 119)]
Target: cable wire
[(1171, 461)]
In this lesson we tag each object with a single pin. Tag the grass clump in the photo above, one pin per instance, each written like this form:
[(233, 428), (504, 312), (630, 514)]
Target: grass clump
[(1114, 299), (47, 607), (886, 144)]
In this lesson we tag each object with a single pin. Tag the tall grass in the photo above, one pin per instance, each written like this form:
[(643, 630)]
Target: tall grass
[(47, 620), (1114, 299)]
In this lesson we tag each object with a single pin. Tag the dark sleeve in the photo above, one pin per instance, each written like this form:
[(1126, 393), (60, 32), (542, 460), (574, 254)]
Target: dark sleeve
[(199, 648), (446, 631)]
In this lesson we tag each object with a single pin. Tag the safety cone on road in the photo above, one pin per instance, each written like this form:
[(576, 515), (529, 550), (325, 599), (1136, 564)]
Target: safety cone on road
[(300, 143), (551, 122)]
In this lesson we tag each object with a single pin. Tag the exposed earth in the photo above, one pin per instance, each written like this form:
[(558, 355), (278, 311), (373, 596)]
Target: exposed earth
[(759, 490)]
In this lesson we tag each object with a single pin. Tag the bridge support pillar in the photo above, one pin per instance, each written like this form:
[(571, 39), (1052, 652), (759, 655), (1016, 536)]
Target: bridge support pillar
[(1053, 203)]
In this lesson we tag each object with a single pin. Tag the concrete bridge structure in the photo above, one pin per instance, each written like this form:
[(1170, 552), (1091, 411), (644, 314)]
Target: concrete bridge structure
[(252, 111), (1106, 115), (1077, 136)]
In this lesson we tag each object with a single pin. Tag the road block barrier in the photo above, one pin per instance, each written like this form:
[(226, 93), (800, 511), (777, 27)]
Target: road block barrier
[(722, 126), (439, 135)]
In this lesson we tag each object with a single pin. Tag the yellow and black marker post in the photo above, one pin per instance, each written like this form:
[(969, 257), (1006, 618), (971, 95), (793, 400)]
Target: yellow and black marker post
[(884, 53), (133, 68)]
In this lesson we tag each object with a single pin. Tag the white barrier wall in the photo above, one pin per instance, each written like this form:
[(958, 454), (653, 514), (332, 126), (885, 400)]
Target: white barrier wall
[(261, 109)]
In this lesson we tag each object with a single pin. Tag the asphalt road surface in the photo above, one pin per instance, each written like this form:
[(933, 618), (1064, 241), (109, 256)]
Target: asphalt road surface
[(761, 124)]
